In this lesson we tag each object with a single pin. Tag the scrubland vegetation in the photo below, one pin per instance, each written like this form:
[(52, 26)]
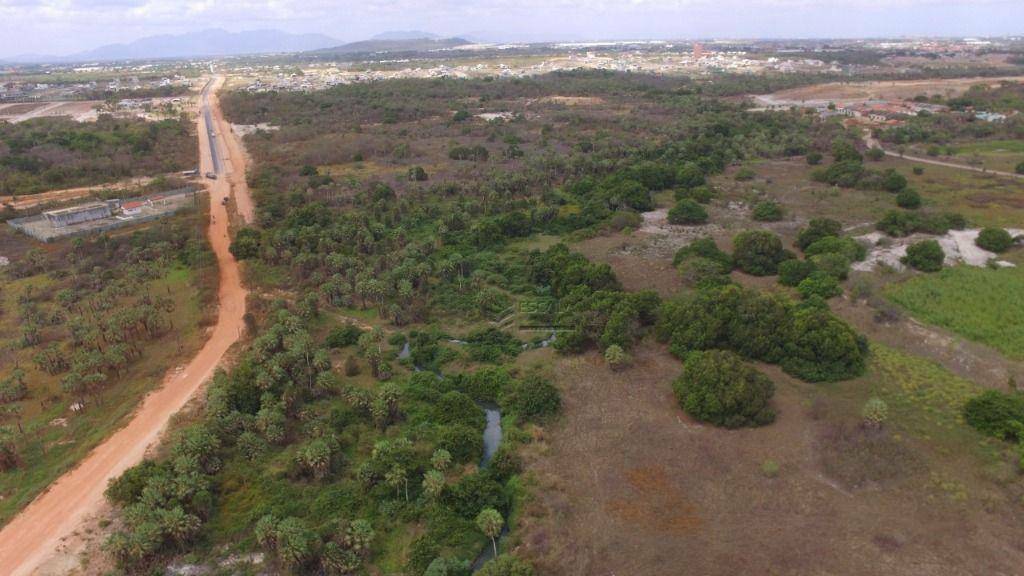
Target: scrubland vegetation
[(52, 153), (86, 328), (416, 268)]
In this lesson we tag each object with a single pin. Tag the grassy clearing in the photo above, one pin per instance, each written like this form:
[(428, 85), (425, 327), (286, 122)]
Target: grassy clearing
[(985, 200), (980, 304)]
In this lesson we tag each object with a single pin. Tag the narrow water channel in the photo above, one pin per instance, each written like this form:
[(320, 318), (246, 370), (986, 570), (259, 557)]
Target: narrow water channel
[(492, 441)]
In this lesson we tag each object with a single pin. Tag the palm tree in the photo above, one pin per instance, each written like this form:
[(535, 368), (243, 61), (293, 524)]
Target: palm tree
[(433, 483), (490, 522), (396, 477), (441, 459)]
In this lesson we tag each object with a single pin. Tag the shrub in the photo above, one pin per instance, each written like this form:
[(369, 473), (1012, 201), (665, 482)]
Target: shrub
[(704, 248), (448, 567), (994, 240), (745, 174), (491, 345), (702, 193), (719, 388), (758, 252), (1020, 168), (532, 397), (893, 181), (835, 265), (995, 413), (246, 244), (898, 223), (817, 229), (616, 357), (770, 468), (875, 412), (687, 212), (819, 284), (875, 154), (853, 251), (793, 271), (926, 256), (701, 272), (732, 317), (506, 565), (342, 336), (823, 348), (844, 151), (909, 199), (463, 443), (814, 158), (767, 211), (690, 176), (918, 170), (457, 408)]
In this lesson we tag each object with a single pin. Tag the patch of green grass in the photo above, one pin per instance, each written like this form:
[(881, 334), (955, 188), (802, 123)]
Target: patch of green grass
[(926, 401), (980, 304), (982, 146)]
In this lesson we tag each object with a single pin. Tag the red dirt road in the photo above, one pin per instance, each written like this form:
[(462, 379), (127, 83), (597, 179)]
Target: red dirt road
[(33, 535)]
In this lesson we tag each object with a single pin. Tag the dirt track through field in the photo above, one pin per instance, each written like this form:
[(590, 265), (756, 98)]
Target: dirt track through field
[(32, 537)]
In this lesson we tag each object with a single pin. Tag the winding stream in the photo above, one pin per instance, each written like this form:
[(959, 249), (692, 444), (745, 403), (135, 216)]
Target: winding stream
[(492, 441)]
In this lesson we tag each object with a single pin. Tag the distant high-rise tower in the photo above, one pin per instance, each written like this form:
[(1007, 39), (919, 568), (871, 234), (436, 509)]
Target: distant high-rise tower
[(698, 51)]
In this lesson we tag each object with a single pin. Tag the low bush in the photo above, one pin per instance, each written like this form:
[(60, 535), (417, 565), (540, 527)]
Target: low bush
[(823, 348), (926, 256), (342, 336), (767, 211), (793, 271), (718, 387), (898, 223), (994, 240), (531, 398), (820, 284), (700, 272), (817, 229), (702, 194), (745, 174), (998, 414), (908, 199), (687, 212), (703, 248), (835, 265), (758, 252), (853, 251)]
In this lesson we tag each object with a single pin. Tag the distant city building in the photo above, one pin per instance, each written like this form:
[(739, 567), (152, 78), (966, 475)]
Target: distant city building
[(698, 50)]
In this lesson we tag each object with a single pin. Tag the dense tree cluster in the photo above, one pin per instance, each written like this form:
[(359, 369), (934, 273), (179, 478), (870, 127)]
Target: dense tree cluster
[(806, 339), (47, 153)]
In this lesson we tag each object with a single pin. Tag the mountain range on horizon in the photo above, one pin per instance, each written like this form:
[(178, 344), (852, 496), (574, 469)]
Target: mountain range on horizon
[(216, 42), (208, 42)]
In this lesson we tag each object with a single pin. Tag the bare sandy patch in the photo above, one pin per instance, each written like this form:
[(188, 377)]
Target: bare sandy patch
[(958, 246)]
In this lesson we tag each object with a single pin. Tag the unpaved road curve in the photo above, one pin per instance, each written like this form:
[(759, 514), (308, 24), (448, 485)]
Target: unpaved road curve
[(31, 538)]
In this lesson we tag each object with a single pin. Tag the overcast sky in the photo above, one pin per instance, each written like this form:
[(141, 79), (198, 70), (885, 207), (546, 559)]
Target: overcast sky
[(65, 26)]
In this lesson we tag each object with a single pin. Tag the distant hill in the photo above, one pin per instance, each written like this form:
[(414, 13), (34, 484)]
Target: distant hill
[(211, 42), (405, 35), (408, 45)]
